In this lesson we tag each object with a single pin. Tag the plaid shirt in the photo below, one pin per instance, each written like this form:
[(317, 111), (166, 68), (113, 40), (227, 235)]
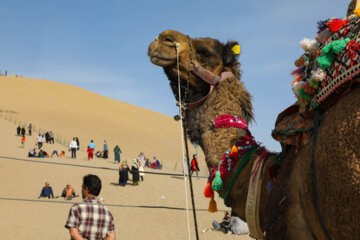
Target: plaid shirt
[(91, 218)]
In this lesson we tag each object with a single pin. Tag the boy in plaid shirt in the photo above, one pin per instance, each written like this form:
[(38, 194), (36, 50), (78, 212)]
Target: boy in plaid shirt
[(90, 219)]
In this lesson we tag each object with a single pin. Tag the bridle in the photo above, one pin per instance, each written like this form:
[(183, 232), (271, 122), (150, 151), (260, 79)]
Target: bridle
[(203, 74)]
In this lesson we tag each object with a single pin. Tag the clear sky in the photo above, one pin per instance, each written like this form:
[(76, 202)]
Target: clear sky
[(102, 45)]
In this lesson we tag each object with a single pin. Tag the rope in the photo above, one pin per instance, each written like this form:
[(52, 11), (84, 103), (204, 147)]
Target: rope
[(109, 204), (85, 166), (186, 168)]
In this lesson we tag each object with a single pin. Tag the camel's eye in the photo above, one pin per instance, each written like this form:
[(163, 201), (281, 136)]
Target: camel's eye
[(204, 53)]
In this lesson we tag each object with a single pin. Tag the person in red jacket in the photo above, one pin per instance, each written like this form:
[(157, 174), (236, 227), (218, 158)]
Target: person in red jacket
[(90, 153), (195, 166)]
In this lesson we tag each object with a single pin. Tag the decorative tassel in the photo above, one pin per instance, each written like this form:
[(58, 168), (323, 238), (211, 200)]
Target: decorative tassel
[(217, 183), (334, 25), (298, 71), (208, 192), (309, 44), (212, 206), (233, 152), (318, 75)]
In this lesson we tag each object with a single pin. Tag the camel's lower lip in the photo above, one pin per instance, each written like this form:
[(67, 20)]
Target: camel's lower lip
[(161, 61)]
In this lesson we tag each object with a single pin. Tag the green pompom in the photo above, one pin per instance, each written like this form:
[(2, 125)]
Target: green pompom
[(314, 83), (325, 61), (303, 95), (338, 46)]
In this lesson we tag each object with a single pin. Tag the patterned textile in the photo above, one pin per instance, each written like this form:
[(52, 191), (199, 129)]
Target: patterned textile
[(345, 66), (292, 128), (91, 218), (227, 120)]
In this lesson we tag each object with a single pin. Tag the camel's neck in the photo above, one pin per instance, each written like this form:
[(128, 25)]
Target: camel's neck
[(228, 97)]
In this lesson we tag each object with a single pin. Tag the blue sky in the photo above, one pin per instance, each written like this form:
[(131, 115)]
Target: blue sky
[(102, 45)]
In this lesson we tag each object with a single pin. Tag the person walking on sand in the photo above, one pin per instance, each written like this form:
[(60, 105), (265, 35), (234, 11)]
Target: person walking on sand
[(92, 145), (123, 173), (23, 131), (90, 152), (195, 165), (30, 129), (78, 143), (18, 130), (117, 152), (106, 150), (39, 141), (141, 170), (23, 141), (73, 147), (135, 172), (90, 219)]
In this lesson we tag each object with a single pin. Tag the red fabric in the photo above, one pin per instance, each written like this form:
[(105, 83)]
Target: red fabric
[(335, 24), (90, 153), (194, 163), (230, 121)]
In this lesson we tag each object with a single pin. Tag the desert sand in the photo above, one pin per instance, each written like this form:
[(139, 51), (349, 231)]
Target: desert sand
[(152, 210)]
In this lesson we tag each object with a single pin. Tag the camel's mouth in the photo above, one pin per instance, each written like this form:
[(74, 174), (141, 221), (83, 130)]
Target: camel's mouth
[(162, 53)]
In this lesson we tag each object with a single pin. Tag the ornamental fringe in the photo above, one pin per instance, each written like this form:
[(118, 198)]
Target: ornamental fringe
[(318, 75)]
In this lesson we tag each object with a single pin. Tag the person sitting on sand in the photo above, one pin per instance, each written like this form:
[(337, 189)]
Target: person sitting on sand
[(123, 173), (32, 152), (68, 193), (225, 224), (46, 191), (62, 154), (147, 163), (98, 154), (42, 154)]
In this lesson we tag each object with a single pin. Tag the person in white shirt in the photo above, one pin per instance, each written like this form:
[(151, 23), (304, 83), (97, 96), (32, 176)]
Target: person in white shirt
[(73, 147), (39, 141)]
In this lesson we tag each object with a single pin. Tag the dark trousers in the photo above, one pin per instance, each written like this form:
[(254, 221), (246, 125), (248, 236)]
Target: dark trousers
[(73, 152), (29, 132), (54, 152)]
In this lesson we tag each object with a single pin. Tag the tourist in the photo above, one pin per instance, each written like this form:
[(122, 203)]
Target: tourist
[(68, 193), (42, 154), (23, 141), (30, 129), (82, 221), (90, 152), (46, 191), (106, 149), (98, 154), (147, 163), (92, 145), (18, 130), (23, 131), (32, 152), (135, 172), (142, 158), (194, 165), (55, 152), (117, 152), (39, 141), (141, 170), (73, 147), (123, 173), (51, 137), (47, 137), (78, 143), (62, 154), (42, 140)]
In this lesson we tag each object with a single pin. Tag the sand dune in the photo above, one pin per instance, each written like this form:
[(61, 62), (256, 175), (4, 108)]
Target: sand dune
[(71, 111)]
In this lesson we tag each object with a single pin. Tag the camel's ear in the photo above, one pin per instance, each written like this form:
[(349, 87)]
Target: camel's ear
[(231, 53)]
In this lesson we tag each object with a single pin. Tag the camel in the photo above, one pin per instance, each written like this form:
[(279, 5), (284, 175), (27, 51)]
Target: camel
[(288, 211)]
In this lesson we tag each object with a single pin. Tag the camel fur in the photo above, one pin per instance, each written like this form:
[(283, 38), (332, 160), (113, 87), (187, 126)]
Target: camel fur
[(288, 211)]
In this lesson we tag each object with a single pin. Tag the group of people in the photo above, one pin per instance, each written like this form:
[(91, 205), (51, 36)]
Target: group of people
[(137, 172), (21, 131), (104, 153), (68, 192)]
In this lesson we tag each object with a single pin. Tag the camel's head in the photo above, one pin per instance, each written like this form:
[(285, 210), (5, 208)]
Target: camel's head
[(211, 54)]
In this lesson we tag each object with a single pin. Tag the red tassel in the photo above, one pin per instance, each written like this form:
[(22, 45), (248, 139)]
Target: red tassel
[(208, 192), (335, 24)]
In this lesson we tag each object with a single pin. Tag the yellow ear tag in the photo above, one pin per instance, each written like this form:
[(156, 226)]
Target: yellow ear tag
[(357, 12), (236, 49)]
